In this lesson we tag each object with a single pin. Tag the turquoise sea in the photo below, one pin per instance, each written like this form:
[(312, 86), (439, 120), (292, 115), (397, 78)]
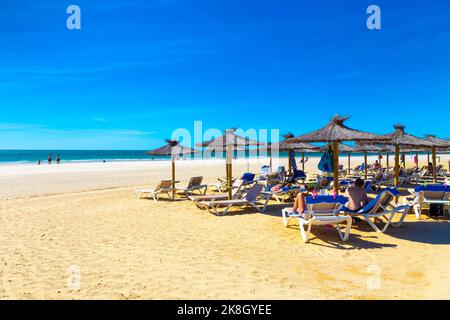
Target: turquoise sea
[(30, 156)]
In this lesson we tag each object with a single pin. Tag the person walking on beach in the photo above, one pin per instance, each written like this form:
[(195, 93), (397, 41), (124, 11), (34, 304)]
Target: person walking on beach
[(58, 159), (49, 159)]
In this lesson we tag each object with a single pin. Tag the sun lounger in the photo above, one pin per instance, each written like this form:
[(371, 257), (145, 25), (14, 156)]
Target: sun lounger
[(283, 194), (195, 184), (381, 207), (431, 194), (164, 187), (251, 200), (248, 179), (236, 193), (321, 210)]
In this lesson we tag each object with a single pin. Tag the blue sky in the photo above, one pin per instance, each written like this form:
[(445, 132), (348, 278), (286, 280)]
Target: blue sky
[(139, 69)]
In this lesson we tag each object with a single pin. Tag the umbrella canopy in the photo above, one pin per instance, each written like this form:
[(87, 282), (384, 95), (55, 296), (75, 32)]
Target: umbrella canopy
[(399, 138), (230, 138), (301, 147), (172, 147), (335, 131), (229, 142), (441, 144), (341, 147)]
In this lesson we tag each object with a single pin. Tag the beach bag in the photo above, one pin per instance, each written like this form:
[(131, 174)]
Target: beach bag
[(326, 162), (436, 210)]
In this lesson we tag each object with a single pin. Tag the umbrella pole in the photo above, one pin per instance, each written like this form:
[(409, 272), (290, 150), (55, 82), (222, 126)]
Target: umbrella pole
[(428, 157), (365, 165), (349, 163), (290, 162), (387, 160), (270, 161), (229, 171), (303, 162), (397, 164), (173, 177), (434, 164), (335, 166)]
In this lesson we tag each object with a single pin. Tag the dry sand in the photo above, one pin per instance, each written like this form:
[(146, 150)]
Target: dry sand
[(85, 215)]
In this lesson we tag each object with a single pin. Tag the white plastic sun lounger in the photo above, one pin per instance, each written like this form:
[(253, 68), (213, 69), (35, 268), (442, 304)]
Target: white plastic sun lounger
[(438, 194), (250, 200), (321, 210), (164, 187), (381, 207)]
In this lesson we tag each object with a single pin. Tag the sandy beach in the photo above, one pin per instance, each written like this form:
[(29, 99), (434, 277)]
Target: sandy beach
[(84, 216)]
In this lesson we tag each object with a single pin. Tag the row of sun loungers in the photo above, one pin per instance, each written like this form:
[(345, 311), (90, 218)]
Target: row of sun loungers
[(166, 187), (248, 191)]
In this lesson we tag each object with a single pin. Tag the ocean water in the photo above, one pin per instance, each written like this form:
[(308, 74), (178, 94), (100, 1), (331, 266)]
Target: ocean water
[(33, 156), (27, 156)]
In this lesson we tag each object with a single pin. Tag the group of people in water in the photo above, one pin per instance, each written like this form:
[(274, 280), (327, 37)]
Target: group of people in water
[(50, 159)]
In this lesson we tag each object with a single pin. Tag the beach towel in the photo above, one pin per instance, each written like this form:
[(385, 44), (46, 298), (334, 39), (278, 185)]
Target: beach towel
[(326, 162)]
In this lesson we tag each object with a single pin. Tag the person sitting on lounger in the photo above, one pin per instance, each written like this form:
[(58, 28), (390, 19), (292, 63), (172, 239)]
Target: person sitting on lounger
[(430, 169), (299, 204), (357, 195)]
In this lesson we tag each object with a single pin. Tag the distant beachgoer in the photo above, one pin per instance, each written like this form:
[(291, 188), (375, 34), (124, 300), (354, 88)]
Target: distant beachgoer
[(403, 159), (39, 162), (58, 159), (380, 157), (376, 165), (104, 161), (357, 195), (416, 160), (430, 169), (49, 159)]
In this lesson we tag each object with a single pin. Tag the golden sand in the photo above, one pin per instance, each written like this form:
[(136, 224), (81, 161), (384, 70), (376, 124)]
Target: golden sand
[(127, 248)]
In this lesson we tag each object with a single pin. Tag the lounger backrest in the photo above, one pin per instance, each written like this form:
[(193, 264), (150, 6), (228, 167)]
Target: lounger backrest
[(434, 195), (323, 209), (248, 177), (195, 181), (237, 184), (165, 184), (254, 192)]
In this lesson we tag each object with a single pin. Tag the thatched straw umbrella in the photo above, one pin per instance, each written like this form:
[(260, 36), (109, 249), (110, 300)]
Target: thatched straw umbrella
[(334, 132), (172, 149), (399, 138), (229, 142), (366, 149), (290, 147), (343, 148), (438, 144)]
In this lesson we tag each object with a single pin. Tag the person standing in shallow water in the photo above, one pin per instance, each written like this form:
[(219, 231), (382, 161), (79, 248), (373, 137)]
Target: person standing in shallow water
[(58, 159), (49, 159)]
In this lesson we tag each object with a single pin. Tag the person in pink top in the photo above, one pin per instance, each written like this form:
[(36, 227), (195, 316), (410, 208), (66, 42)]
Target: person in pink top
[(357, 195)]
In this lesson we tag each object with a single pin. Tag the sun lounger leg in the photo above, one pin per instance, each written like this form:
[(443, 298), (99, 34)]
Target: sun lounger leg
[(418, 211), (305, 234), (374, 227), (348, 226), (402, 218), (285, 219)]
